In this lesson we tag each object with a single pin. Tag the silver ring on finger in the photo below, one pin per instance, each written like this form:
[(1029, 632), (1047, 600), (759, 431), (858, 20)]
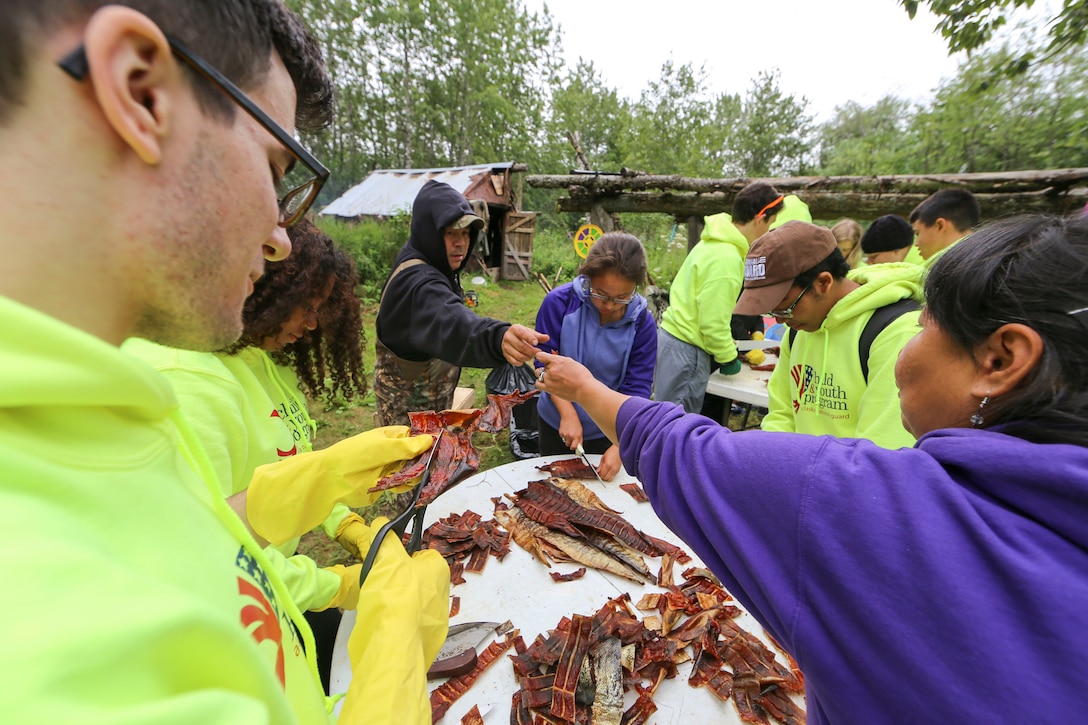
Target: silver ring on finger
[(540, 377)]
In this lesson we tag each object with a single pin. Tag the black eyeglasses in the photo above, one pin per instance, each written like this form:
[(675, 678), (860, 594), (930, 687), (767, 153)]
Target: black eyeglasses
[(787, 314), (604, 298), (295, 201)]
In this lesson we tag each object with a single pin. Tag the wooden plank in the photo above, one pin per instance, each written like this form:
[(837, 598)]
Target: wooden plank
[(464, 398)]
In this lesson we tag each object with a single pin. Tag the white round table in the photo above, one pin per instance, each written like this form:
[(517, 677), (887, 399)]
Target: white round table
[(519, 589)]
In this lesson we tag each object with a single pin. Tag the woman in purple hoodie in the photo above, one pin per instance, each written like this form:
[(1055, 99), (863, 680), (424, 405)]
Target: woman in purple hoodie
[(947, 582), (601, 321)]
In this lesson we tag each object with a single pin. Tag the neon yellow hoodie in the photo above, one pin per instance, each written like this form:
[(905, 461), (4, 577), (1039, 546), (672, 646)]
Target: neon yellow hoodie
[(706, 289), (225, 400), (130, 591), (818, 387), (793, 209)]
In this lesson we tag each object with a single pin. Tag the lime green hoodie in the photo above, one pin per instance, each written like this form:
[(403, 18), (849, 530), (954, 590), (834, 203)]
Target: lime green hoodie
[(706, 289), (226, 401), (131, 593), (793, 209), (817, 387)]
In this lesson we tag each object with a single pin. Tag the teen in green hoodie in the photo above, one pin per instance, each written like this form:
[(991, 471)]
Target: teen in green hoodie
[(694, 337), (248, 409), (797, 274), (139, 200)]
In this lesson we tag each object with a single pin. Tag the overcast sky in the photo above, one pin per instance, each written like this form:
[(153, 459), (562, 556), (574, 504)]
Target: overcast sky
[(830, 51)]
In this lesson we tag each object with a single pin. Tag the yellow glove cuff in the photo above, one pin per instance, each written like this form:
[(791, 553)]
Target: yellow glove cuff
[(348, 595)]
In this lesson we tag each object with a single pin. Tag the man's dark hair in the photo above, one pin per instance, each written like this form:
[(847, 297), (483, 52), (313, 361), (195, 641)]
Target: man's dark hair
[(617, 252), (752, 199), (1031, 270), (958, 206), (834, 263), (235, 36)]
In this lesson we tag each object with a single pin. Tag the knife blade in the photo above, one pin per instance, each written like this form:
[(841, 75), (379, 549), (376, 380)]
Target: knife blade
[(458, 653), (582, 452)]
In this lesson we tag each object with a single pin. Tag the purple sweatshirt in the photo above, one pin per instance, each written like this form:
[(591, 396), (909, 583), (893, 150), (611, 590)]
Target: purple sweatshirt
[(942, 583)]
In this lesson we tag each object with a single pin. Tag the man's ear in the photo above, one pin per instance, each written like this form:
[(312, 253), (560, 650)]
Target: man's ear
[(1005, 358), (134, 76), (822, 283)]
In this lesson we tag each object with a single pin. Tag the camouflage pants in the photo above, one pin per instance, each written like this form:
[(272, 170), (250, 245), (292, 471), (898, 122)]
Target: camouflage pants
[(403, 385)]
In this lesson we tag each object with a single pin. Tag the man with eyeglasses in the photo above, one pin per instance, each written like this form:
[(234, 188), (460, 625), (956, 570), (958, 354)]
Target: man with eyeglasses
[(836, 371), (149, 170), (695, 336)]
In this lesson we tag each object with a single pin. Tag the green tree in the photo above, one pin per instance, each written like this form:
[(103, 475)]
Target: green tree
[(1036, 120), (677, 128), (775, 133), (970, 24), (425, 83), (860, 140)]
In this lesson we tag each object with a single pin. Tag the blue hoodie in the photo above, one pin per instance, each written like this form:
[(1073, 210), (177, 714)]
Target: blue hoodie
[(620, 354), (942, 583)]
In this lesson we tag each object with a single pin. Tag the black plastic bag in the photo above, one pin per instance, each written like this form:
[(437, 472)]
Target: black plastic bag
[(524, 436)]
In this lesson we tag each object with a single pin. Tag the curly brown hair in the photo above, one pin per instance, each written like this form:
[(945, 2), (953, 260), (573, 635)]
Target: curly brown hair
[(329, 359)]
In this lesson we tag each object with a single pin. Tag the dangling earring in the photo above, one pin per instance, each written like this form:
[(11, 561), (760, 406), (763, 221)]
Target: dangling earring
[(976, 419)]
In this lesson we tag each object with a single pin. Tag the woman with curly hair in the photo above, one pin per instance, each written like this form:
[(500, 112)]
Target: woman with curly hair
[(246, 407), (302, 329)]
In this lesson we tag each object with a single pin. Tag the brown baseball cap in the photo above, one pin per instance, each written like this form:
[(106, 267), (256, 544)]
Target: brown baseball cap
[(774, 261)]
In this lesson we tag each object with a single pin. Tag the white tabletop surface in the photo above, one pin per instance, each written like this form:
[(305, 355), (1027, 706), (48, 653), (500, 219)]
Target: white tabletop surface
[(747, 386), (519, 589)]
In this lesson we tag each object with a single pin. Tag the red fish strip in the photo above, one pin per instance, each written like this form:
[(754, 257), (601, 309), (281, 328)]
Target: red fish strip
[(635, 491), (448, 692), (570, 664)]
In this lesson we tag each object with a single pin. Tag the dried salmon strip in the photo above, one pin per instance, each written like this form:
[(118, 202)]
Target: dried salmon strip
[(496, 416), (473, 717), (548, 505), (465, 541), (576, 574), (455, 606), (455, 456), (569, 468), (635, 491), (729, 661), (570, 664), (448, 692)]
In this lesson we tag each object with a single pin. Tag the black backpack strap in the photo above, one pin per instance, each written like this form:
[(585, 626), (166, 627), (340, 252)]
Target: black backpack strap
[(882, 317), (793, 336)]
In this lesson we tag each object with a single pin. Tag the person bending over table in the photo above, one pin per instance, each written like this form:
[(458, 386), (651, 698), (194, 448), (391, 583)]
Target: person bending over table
[(601, 320), (246, 404), (947, 582)]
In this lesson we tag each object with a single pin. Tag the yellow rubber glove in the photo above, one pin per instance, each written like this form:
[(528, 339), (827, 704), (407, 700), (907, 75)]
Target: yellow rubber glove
[(290, 497), (401, 622), (348, 596), (755, 357), (355, 535)]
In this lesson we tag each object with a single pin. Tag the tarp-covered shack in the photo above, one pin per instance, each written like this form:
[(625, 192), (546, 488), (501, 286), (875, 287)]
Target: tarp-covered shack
[(506, 249)]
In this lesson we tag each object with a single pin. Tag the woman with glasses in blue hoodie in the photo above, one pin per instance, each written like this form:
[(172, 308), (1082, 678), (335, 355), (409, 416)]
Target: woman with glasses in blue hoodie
[(602, 321)]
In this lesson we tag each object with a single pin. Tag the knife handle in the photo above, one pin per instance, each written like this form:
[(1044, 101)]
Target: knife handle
[(453, 666)]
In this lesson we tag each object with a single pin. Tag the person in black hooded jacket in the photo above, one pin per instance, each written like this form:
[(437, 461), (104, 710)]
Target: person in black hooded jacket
[(425, 333)]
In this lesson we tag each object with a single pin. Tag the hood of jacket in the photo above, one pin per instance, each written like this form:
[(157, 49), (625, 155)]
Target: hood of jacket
[(881, 285), (719, 229), (437, 205), (59, 366)]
